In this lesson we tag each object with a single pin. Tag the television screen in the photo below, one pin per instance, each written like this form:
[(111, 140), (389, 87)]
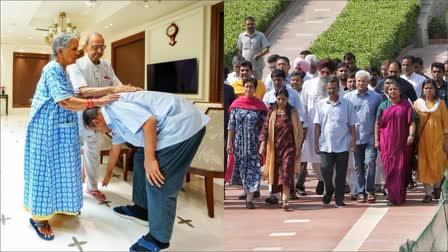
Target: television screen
[(180, 76)]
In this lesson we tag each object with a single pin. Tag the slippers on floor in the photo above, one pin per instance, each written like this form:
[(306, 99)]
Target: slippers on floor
[(36, 226), (97, 194), (144, 245)]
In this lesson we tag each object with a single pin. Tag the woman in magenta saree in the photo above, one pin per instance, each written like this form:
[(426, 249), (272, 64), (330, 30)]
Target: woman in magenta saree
[(394, 135)]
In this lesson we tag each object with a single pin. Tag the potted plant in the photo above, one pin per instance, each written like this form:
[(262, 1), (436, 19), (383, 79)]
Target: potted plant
[(436, 29)]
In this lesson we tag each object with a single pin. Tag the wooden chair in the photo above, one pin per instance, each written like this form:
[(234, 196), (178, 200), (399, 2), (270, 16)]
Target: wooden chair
[(203, 106), (127, 153), (209, 159)]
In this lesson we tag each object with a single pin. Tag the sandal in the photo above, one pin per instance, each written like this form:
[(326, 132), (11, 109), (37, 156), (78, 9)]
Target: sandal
[(36, 226), (286, 207), (97, 194)]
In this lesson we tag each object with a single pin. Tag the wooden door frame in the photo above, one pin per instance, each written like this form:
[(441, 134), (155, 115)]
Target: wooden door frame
[(215, 69), (124, 41), (16, 56)]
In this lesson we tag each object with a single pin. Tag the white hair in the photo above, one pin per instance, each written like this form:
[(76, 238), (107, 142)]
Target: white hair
[(62, 40), (362, 74), (312, 59)]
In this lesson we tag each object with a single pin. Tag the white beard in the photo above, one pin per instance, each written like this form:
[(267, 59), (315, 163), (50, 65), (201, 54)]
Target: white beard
[(321, 90)]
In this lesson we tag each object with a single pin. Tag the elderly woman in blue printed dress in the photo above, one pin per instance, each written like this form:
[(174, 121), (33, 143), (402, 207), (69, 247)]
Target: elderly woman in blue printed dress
[(52, 150)]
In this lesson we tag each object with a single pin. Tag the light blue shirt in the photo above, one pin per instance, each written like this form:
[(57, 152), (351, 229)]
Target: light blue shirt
[(270, 86), (177, 118), (293, 100), (335, 121), (365, 106)]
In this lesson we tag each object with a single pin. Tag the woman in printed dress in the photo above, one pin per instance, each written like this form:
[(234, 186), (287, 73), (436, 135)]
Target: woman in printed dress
[(52, 150), (247, 115), (281, 141)]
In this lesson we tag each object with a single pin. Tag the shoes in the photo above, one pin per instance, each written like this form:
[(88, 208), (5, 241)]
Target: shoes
[(243, 196), (371, 198), (257, 194), (347, 189), (130, 212), (437, 193), (293, 196), (320, 188), (271, 200), (361, 198), (97, 194), (340, 204), (353, 197), (301, 191), (250, 205), (391, 203), (427, 199), (326, 199)]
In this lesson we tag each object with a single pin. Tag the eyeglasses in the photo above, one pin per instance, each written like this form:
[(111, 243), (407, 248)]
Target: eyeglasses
[(96, 47)]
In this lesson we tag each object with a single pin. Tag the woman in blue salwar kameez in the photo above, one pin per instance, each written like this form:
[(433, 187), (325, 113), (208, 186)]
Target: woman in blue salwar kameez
[(52, 165)]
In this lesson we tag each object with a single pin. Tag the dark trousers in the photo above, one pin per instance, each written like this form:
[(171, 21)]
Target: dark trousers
[(174, 162), (330, 162), (301, 178)]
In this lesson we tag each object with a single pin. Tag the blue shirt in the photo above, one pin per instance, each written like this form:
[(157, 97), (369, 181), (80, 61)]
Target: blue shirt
[(177, 118), (365, 106), (270, 86), (335, 121), (293, 100)]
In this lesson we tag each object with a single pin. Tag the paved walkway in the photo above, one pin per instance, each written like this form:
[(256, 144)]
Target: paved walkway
[(430, 54), (315, 227), (302, 23)]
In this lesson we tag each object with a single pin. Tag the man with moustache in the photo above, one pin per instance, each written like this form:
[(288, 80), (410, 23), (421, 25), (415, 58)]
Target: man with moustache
[(253, 45), (342, 75), (406, 88), (313, 91), (282, 64), (93, 77)]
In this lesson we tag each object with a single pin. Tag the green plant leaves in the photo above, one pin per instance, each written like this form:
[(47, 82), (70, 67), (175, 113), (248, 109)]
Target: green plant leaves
[(373, 30)]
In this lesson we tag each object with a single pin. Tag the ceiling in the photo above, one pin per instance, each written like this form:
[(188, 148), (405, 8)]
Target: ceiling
[(19, 19)]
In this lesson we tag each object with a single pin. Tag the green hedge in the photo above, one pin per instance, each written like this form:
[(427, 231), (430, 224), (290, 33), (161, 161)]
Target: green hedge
[(374, 30), (235, 11)]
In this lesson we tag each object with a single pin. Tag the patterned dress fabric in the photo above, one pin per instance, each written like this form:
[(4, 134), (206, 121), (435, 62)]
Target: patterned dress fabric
[(246, 124), (52, 150), (285, 150)]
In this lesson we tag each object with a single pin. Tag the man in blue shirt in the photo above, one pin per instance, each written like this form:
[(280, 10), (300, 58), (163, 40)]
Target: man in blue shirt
[(334, 136), (168, 130), (365, 103)]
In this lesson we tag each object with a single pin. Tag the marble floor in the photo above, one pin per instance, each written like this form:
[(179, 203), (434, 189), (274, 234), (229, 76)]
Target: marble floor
[(97, 228)]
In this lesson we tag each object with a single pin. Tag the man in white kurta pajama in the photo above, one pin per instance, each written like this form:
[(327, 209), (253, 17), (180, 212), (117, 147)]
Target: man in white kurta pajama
[(92, 77)]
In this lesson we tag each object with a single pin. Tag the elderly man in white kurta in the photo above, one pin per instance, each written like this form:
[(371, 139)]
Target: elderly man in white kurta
[(313, 91), (92, 77)]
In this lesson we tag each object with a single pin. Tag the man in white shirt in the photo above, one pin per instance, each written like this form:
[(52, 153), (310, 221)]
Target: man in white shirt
[(313, 91), (92, 77), (407, 66)]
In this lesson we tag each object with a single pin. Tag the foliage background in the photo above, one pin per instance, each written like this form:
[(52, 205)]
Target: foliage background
[(235, 13), (374, 30)]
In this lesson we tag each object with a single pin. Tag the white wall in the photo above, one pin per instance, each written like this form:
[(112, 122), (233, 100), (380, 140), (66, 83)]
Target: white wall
[(6, 63), (193, 41)]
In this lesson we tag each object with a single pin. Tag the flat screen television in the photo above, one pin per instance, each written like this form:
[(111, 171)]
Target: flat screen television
[(180, 76)]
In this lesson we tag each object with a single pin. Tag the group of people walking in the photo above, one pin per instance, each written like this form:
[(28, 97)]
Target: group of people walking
[(380, 122)]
